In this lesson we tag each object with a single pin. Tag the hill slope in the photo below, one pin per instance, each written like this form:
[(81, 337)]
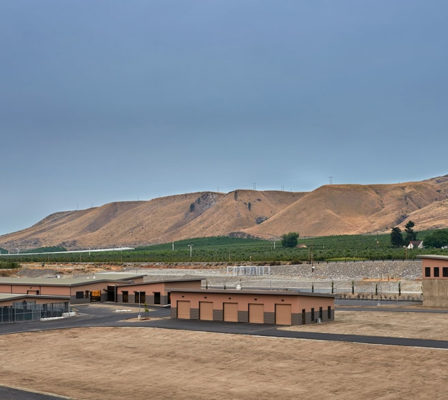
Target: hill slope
[(355, 209), (158, 220), (328, 210)]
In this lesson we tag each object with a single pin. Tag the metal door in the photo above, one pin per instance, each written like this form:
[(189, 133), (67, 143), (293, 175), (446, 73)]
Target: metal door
[(206, 310), (230, 312), (183, 309), (256, 313), (283, 314)]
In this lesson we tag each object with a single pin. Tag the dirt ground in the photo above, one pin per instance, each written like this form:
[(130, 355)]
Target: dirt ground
[(142, 363), (383, 323)]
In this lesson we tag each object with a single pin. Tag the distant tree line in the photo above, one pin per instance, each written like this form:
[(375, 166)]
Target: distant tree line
[(437, 239)]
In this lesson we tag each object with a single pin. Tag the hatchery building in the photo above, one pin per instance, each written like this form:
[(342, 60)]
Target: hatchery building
[(100, 287), (260, 306), (154, 292)]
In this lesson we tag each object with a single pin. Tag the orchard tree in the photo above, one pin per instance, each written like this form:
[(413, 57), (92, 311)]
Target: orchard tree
[(290, 239), (396, 238), (437, 239)]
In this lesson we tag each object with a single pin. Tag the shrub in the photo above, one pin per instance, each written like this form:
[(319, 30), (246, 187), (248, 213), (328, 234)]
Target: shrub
[(290, 239), (9, 265)]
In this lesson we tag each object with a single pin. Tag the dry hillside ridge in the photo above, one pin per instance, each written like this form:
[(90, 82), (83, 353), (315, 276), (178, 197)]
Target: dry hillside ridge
[(328, 210)]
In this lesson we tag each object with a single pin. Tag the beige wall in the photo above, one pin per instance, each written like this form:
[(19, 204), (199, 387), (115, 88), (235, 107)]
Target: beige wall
[(297, 302), (5, 288), (145, 287), (162, 287), (55, 290), (435, 292), (21, 289)]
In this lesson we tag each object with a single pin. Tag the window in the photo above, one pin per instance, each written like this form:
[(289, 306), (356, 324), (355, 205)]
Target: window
[(427, 272), (329, 312), (140, 297), (79, 295), (312, 314), (321, 313), (436, 272), (445, 272)]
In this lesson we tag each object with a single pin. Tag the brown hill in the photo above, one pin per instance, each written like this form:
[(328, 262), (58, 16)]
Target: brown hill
[(158, 220), (328, 210), (355, 209)]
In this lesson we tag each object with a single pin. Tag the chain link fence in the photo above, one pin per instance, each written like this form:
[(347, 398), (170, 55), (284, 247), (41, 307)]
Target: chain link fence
[(20, 312)]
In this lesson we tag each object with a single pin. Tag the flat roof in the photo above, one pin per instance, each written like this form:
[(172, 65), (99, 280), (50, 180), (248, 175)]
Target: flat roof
[(11, 296), (434, 256), (259, 292), (78, 281), (163, 281)]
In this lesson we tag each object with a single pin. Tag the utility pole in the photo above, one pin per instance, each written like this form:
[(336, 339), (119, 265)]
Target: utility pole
[(172, 246), (330, 179), (310, 251), (191, 250)]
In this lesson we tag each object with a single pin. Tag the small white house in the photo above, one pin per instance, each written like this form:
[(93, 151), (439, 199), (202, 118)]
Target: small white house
[(415, 244)]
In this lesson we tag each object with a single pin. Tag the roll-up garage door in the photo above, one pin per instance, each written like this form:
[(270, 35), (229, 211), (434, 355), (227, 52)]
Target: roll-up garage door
[(206, 310), (256, 313), (283, 314), (231, 312), (183, 309)]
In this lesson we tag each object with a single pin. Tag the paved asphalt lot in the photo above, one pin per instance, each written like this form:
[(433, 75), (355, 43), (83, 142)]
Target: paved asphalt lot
[(105, 316), (7, 393)]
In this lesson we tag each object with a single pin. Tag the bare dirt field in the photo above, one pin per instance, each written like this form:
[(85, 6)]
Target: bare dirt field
[(383, 323), (146, 363)]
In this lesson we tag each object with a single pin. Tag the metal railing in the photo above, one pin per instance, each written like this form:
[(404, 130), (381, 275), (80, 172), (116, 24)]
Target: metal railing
[(21, 312)]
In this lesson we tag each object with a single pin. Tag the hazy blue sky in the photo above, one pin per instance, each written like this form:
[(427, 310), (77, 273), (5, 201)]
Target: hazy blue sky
[(122, 100)]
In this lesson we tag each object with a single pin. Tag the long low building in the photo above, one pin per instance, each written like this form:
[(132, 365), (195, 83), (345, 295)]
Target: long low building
[(155, 292), (435, 280), (261, 306), (113, 287), (100, 287)]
